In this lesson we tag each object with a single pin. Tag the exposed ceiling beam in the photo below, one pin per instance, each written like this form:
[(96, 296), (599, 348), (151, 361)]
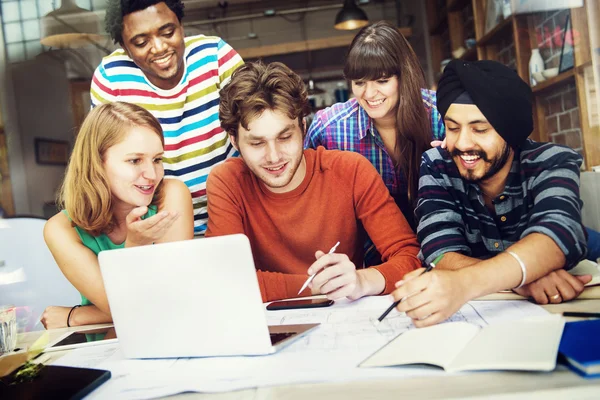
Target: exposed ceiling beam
[(304, 45)]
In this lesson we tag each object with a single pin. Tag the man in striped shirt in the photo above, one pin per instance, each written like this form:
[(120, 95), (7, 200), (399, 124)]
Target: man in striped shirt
[(503, 210), (177, 79)]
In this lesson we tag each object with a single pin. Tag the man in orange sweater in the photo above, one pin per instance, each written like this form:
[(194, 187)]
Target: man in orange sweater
[(294, 204)]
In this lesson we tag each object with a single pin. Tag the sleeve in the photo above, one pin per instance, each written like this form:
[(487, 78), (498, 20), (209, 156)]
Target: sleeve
[(440, 226), (229, 60), (316, 132), (226, 217), (557, 206), (224, 214), (438, 129), (385, 224), (100, 90), (437, 124)]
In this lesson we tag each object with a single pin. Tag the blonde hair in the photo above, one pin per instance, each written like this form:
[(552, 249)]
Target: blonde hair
[(85, 193)]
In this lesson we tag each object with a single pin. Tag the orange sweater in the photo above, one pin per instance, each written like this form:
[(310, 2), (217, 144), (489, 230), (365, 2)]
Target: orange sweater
[(340, 198)]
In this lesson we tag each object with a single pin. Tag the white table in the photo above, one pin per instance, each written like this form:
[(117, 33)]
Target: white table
[(560, 384)]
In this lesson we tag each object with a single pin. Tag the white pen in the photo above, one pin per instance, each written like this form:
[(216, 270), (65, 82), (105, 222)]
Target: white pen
[(310, 278)]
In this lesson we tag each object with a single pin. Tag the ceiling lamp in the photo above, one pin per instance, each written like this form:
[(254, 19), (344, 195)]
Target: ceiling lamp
[(350, 17), (70, 26)]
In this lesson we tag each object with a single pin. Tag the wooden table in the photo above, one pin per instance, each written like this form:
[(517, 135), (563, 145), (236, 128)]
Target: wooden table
[(559, 384)]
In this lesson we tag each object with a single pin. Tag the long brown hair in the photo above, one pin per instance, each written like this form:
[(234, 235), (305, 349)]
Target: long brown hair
[(85, 191), (378, 51)]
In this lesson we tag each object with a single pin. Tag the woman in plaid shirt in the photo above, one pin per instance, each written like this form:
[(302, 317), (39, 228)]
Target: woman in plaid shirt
[(391, 120)]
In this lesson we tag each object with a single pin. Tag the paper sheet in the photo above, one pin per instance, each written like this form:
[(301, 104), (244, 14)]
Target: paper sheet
[(330, 353)]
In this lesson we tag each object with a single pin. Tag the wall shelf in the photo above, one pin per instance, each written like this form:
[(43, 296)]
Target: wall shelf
[(560, 104), (497, 33), (553, 82), (457, 5)]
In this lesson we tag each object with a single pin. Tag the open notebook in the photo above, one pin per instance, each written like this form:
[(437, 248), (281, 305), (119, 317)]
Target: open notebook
[(526, 345), (587, 267)]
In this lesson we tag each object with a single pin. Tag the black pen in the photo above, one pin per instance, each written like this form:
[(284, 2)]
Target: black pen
[(395, 304), (581, 314)]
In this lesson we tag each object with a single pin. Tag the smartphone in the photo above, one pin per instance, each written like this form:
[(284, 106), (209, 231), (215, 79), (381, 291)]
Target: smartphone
[(83, 338), (291, 304)]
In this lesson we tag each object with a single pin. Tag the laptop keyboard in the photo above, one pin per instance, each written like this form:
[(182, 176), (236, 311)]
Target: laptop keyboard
[(278, 337)]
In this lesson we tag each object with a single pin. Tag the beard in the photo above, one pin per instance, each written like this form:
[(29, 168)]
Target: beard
[(497, 163)]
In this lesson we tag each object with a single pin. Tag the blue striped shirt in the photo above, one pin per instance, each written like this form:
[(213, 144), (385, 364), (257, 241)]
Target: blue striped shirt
[(541, 195)]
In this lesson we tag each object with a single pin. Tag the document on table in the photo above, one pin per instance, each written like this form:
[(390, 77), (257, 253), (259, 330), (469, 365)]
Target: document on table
[(332, 352)]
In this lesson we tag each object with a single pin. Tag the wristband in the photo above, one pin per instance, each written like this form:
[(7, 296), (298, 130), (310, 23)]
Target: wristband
[(70, 312), (522, 265)]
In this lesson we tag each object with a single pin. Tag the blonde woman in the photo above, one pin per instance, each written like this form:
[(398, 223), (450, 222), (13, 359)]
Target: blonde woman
[(113, 196)]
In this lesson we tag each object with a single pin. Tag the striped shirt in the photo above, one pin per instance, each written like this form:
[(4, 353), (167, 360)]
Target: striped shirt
[(347, 126), (541, 195), (188, 113)]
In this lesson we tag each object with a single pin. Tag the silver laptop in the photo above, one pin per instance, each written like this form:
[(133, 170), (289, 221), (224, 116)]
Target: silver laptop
[(194, 298)]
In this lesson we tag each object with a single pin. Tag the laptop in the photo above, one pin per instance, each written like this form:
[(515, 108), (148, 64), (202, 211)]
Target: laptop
[(193, 298)]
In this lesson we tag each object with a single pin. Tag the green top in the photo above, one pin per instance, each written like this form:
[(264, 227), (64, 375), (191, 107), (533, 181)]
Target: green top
[(102, 242)]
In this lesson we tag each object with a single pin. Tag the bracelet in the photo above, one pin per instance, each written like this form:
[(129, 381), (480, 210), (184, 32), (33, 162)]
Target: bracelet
[(70, 312), (522, 265)]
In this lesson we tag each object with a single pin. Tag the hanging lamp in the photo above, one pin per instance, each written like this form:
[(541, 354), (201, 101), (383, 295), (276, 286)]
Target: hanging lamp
[(350, 17), (70, 26)]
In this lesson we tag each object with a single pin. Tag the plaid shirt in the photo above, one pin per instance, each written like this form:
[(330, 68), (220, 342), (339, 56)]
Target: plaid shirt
[(347, 126), (541, 195)]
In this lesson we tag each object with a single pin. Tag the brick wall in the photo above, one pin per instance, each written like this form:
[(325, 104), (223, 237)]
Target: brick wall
[(562, 116), (560, 104)]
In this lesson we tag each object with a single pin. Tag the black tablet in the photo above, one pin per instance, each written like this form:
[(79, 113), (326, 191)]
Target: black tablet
[(54, 382)]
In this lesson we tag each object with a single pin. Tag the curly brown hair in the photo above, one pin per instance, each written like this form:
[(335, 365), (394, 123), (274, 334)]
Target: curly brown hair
[(256, 87)]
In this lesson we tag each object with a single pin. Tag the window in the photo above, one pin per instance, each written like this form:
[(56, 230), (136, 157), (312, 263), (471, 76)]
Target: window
[(21, 24)]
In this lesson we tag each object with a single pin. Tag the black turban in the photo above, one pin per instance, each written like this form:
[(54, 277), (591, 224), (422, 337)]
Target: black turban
[(499, 93)]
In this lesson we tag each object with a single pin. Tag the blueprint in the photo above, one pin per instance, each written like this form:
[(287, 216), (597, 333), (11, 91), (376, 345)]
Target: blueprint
[(331, 353)]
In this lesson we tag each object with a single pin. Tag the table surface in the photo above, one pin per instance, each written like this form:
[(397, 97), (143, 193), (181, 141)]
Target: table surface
[(496, 385)]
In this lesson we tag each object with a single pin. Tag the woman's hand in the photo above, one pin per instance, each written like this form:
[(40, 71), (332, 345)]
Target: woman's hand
[(436, 143), (55, 317), (141, 232)]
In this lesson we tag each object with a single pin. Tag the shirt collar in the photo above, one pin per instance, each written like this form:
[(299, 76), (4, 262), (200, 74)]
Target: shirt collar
[(364, 122)]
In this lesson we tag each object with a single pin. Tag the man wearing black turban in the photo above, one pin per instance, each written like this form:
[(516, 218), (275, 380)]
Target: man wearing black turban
[(503, 210)]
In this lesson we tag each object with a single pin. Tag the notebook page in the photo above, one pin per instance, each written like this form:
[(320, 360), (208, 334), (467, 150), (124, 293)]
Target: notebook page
[(528, 345), (435, 345), (587, 267)]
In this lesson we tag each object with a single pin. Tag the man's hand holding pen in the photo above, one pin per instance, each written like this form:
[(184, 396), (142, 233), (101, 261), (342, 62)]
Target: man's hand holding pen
[(336, 277), (431, 298)]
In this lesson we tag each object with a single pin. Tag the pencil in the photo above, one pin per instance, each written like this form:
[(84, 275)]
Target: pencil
[(581, 314), (395, 304), (310, 278)]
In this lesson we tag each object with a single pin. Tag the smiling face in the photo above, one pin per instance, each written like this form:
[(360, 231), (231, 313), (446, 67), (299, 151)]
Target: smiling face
[(477, 149), (134, 167), (272, 148), (153, 39), (379, 98)]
